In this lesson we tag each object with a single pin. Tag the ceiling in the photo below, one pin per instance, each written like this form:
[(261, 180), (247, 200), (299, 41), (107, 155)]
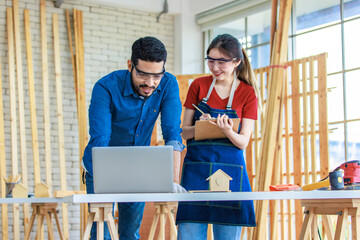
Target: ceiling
[(175, 6)]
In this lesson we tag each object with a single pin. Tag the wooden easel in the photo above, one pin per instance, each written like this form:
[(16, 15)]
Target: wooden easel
[(41, 211), (341, 207), (161, 210), (101, 212)]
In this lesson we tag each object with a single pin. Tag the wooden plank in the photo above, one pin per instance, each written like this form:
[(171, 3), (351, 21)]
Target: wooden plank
[(305, 121), (82, 113), (323, 118), (277, 168), (72, 56), (263, 89), (249, 162), (59, 107), (46, 109), (278, 57), (13, 120), (260, 131), (20, 90), (4, 208), (340, 225), (296, 139), (30, 68), (274, 4), (312, 121), (287, 154), (61, 194), (282, 202), (268, 149), (59, 104)]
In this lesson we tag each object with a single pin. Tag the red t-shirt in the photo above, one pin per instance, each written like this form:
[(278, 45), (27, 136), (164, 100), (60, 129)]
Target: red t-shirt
[(244, 101)]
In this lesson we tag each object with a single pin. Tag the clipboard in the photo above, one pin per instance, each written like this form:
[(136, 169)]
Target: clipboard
[(206, 130)]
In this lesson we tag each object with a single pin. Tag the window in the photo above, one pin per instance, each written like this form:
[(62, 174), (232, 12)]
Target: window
[(316, 26)]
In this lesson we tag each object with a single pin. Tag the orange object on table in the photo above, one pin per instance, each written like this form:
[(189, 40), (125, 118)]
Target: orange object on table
[(284, 187)]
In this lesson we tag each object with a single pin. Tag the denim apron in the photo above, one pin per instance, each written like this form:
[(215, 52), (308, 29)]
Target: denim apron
[(204, 158)]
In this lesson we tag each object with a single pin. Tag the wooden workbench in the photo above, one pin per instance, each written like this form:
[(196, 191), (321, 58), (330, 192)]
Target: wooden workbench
[(343, 208), (332, 197)]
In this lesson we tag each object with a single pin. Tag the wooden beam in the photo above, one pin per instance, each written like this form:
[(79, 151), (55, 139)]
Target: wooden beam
[(82, 113), (30, 68), (46, 110), (312, 120), (323, 117), (305, 121), (60, 125), (287, 154), (60, 194), (4, 208), (273, 113), (277, 164), (72, 57), (13, 126), (20, 88), (274, 4), (297, 158)]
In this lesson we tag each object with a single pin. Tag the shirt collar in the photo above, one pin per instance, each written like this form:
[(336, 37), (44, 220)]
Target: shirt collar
[(128, 90)]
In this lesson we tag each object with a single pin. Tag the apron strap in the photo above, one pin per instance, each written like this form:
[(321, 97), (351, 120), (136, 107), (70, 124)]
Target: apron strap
[(232, 92), (205, 99)]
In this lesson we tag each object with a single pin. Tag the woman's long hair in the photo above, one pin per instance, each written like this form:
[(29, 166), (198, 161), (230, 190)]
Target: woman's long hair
[(230, 46)]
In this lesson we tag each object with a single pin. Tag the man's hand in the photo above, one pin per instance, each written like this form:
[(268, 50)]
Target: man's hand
[(178, 188)]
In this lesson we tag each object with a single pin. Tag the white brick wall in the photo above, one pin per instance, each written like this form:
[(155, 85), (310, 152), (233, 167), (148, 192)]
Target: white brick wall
[(108, 36)]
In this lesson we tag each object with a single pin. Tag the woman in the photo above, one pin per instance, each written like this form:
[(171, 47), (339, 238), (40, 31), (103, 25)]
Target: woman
[(230, 92)]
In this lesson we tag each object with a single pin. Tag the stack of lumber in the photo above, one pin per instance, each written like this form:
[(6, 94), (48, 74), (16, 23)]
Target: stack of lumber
[(272, 122)]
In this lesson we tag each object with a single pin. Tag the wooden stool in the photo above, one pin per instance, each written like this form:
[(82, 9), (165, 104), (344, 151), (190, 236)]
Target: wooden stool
[(161, 210), (341, 207), (101, 212), (43, 210)]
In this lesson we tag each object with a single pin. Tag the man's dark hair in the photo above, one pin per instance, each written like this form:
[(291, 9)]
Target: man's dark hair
[(148, 49)]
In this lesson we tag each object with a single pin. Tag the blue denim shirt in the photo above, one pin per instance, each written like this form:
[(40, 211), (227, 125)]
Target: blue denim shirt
[(119, 117)]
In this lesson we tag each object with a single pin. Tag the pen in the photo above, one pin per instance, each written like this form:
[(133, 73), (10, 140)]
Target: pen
[(198, 109)]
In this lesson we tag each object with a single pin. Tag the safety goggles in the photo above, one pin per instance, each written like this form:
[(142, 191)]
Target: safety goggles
[(145, 75), (220, 61)]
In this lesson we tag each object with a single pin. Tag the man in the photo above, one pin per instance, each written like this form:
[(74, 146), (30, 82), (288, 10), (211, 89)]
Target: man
[(124, 107)]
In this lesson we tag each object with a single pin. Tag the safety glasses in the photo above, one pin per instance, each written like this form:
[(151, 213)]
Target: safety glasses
[(145, 75)]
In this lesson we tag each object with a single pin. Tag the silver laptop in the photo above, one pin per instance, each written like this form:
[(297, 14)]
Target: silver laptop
[(133, 169)]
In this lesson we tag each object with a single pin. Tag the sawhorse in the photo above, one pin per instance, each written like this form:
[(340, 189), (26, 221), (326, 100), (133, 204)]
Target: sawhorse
[(163, 209), (41, 211), (341, 207), (100, 213)]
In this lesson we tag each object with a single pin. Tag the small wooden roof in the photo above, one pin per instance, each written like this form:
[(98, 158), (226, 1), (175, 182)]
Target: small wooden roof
[(217, 173)]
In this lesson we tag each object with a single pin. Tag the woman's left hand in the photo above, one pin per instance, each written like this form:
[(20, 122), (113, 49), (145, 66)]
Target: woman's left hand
[(224, 123)]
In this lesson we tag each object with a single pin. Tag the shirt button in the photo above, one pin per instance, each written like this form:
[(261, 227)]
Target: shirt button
[(137, 135), (155, 110), (141, 120)]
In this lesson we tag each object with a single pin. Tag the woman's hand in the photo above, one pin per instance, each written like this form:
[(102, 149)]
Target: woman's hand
[(205, 116), (224, 123)]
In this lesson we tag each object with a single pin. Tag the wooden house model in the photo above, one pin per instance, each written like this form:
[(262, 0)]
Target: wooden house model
[(41, 190), (219, 181), (20, 191)]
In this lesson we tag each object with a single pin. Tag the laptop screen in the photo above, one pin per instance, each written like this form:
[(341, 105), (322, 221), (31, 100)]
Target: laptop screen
[(133, 169)]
